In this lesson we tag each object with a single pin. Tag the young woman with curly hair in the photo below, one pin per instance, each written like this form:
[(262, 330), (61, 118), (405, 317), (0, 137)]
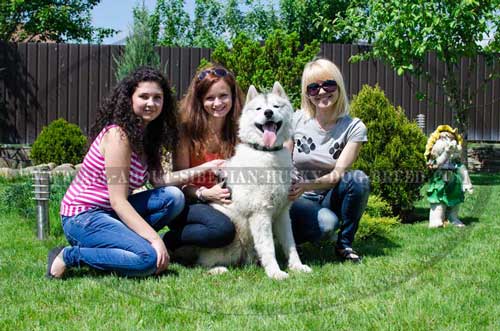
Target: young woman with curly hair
[(108, 227), (210, 112)]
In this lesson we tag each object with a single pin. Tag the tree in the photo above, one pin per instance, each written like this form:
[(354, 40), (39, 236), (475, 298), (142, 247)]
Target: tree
[(140, 44), (402, 33), (213, 21), (49, 20), (281, 58), (306, 17)]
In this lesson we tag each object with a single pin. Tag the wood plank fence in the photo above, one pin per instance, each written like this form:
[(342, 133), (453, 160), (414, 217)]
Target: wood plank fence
[(41, 82)]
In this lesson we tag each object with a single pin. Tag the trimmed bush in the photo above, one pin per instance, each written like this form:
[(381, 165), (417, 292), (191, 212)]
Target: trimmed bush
[(60, 142), (393, 157), (377, 219), (281, 58)]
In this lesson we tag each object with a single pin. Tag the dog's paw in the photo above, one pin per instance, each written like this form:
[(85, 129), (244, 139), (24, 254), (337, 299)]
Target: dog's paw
[(217, 270), (277, 274), (300, 268)]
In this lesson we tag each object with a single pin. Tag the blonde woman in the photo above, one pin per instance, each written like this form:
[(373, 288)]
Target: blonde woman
[(326, 142)]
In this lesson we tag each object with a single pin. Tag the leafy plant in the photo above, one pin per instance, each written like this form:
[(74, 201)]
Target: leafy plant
[(377, 220), (402, 33), (393, 157), (49, 20), (281, 58), (60, 142)]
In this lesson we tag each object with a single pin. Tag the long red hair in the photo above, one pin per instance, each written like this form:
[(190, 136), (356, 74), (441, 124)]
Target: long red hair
[(194, 119)]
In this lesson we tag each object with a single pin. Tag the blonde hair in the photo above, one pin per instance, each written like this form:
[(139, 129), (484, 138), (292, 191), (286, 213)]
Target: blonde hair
[(323, 69)]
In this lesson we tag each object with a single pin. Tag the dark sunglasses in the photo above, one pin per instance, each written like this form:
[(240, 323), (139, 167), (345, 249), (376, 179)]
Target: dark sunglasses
[(328, 85), (219, 72)]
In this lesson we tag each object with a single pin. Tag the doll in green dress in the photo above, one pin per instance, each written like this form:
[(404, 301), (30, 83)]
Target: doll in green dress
[(449, 179)]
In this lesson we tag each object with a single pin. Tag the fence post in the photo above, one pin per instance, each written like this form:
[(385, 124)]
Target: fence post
[(41, 184)]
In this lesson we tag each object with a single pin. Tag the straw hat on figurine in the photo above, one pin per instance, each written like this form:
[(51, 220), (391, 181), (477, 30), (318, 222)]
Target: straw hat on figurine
[(436, 135)]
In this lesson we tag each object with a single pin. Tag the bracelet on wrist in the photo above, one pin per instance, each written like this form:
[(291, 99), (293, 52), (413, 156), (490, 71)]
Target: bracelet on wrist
[(199, 194)]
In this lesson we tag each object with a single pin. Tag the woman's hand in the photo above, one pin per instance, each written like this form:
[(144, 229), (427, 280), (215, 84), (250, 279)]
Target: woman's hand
[(162, 257), (217, 194), (296, 190)]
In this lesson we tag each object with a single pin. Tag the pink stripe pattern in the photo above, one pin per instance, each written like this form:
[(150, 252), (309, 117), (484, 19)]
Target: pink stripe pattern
[(89, 189)]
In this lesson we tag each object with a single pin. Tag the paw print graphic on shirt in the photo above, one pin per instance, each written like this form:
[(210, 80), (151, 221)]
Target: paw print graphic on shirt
[(305, 145), (336, 150)]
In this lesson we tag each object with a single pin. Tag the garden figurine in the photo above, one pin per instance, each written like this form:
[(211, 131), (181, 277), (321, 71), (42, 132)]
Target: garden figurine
[(449, 179)]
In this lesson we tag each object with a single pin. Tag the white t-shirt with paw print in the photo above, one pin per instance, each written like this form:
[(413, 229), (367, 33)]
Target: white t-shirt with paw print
[(315, 150)]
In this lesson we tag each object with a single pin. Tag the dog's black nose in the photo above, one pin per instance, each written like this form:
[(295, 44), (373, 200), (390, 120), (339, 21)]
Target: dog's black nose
[(268, 113)]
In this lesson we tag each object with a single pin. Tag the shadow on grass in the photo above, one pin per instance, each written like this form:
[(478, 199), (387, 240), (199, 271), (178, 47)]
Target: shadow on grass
[(323, 252), (87, 272), (485, 178)]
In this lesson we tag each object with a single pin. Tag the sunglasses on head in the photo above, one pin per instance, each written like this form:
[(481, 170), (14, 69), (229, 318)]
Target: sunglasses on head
[(328, 85), (219, 72)]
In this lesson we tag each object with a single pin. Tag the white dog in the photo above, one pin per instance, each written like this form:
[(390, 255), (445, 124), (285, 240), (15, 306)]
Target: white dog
[(259, 178)]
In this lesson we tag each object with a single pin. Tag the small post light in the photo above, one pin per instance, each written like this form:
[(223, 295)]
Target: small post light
[(41, 185), (421, 122)]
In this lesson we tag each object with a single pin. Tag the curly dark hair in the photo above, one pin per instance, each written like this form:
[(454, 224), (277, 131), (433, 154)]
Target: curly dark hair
[(194, 119), (160, 135)]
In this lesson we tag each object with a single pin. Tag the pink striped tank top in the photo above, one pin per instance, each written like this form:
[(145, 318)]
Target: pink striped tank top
[(89, 189)]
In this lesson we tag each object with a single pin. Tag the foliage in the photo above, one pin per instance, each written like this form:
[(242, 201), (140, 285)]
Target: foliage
[(49, 20), (377, 220), (16, 198), (402, 33), (60, 142), (281, 58), (307, 19), (393, 157), (214, 21), (140, 44)]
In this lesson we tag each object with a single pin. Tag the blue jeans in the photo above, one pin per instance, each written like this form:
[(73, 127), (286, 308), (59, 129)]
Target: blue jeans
[(102, 241), (200, 225), (348, 200)]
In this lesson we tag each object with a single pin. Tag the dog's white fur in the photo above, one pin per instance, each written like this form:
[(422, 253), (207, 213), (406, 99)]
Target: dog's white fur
[(259, 207)]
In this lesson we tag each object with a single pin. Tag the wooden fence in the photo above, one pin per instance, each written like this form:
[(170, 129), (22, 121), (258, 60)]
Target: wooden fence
[(42, 82)]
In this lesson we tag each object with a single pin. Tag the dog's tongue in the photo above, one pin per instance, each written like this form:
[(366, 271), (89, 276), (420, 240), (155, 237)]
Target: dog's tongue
[(269, 133)]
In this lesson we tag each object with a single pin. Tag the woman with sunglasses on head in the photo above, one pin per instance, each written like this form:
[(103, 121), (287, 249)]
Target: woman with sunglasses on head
[(326, 142), (108, 227), (209, 123)]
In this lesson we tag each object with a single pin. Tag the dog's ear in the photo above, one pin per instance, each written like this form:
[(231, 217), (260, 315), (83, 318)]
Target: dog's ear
[(278, 89), (252, 93)]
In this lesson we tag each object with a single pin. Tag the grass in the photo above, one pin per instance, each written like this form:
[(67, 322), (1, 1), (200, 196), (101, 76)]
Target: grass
[(413, 279)]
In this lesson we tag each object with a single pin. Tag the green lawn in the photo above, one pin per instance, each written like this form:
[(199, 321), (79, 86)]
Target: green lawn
[(414, 279)]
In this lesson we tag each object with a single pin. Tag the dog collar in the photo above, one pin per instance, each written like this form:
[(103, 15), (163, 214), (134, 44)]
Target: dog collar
[(266, 149)]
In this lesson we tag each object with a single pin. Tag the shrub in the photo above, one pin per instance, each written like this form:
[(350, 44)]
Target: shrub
[(281, 58), (60, 142), (377, 219), (393, 157)]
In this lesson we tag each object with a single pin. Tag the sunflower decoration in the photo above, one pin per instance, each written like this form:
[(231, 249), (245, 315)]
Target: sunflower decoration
[(436, 135)]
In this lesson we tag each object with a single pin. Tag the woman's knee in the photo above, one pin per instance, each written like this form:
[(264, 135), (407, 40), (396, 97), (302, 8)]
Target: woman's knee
[(174, 199), (146, 261), (359, 183)]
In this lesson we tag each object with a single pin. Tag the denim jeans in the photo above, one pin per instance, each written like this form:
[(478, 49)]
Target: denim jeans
[(347, 200), (102, 241), (200, 225)]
